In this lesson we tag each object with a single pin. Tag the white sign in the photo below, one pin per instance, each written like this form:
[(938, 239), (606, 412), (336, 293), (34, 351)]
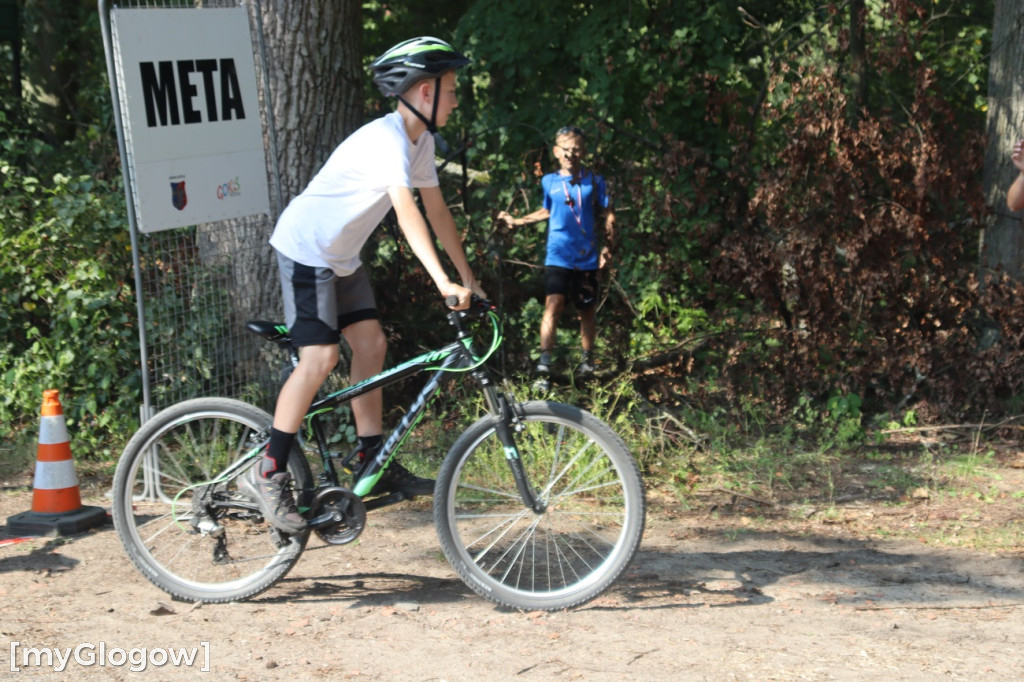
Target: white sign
[(190, 107)]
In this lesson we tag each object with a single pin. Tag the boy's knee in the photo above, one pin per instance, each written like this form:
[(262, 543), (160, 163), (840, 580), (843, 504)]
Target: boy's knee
[(555, 304), (368, 342), (319, 360)]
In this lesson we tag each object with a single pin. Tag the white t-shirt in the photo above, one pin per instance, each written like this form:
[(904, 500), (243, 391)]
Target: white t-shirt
[(327, 225)]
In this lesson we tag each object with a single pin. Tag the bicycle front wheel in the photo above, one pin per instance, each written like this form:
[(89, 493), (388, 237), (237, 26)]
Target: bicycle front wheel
[(178, 510), (592, 516)]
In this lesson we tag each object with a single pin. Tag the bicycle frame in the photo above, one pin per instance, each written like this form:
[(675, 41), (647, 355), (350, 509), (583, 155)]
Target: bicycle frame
[(458, 356), (451, 357)]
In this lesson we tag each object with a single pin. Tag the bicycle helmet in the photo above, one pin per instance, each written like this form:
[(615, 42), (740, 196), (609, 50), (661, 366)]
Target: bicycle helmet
[(411, 61)]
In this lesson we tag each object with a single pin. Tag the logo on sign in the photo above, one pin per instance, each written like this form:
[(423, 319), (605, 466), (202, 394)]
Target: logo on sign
[(231, 188), (178, 196)]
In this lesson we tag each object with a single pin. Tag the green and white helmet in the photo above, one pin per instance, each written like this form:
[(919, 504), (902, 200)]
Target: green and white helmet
[(411, 61)]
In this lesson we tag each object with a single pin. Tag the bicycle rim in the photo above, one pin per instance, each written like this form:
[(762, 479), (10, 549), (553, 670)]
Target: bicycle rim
[(195, 536), (571, 552)]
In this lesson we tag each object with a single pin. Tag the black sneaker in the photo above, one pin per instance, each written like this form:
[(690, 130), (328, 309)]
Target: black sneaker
[(398, 479), (274, 496)]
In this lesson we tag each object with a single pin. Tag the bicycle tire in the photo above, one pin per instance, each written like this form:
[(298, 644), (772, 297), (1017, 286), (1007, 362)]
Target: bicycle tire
[(569, 553), (170, 535)]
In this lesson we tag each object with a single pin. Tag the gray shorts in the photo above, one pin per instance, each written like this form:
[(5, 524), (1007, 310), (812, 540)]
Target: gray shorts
[(318, 304)]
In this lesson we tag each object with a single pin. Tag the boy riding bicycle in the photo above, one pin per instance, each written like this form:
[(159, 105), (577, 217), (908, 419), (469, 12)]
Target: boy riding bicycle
[(327, 291)]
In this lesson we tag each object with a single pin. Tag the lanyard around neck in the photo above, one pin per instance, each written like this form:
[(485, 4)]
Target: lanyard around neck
[(574, 204)]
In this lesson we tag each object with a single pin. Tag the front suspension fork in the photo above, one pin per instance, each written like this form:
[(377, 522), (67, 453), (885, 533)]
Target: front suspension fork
[(515, 463)]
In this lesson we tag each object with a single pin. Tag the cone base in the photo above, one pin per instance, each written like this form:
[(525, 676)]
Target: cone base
[(70, 523)]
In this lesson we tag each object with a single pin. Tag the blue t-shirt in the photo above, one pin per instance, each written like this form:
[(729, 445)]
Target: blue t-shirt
[(571, 240)]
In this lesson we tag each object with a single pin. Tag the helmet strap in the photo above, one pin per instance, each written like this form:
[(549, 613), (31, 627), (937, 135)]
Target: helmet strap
[(432, 123)]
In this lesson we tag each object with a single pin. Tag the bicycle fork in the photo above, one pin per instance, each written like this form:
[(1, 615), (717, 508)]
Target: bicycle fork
[(505, 417)]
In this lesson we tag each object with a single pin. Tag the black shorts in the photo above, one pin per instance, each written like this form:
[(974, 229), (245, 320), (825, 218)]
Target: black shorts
[(318, 304), (578, 286)]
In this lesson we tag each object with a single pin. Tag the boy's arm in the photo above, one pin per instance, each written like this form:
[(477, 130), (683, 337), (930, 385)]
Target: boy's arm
[(443, 224), (1015, 195), (528, 219), (416, 232), (608, 217)]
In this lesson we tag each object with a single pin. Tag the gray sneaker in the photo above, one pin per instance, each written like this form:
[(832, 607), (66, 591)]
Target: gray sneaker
[(585, 369), (544, 364), (275, 499)]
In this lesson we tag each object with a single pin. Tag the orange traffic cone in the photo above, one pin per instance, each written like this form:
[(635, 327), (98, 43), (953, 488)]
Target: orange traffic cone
[(56, 502)]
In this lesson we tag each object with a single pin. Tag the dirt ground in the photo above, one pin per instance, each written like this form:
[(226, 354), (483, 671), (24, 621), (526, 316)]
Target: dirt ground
[(723, 590)]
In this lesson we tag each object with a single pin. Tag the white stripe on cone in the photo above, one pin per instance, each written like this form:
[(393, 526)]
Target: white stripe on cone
[(55, 475), (53, 430)]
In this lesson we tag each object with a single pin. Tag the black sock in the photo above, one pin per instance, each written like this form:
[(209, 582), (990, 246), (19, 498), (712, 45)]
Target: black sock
[(369, 445), (277, 452), (366, 448)]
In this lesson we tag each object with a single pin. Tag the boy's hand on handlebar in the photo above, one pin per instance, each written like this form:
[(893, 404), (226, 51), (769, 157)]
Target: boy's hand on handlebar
[(475, 287), (456, 296)]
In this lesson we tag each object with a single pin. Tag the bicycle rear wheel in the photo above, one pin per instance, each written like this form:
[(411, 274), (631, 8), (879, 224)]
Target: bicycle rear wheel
[(588, 532), (178, 510)]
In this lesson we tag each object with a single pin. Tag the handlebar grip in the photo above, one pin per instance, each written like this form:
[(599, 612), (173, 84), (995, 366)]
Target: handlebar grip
[(451, 301)]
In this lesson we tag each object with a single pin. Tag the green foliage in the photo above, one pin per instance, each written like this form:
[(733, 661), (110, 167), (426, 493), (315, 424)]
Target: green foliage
[(69, 322), (788, 252), (803, 244)]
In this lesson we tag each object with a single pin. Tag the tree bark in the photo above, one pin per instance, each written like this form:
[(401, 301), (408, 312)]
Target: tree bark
[(314, 62), (1002, 241)]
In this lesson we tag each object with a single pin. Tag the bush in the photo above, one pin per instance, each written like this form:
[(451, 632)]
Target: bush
[(69, 319)]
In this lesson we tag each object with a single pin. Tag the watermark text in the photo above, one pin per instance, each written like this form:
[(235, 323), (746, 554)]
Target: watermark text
[(100, 655)]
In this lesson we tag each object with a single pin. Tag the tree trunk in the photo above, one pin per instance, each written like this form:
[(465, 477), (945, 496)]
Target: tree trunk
[(314, 60), (1002, 240), (314, 68), (858, 59)]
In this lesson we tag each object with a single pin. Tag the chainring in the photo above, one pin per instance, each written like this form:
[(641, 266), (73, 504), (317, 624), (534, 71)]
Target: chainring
[(344, 502)]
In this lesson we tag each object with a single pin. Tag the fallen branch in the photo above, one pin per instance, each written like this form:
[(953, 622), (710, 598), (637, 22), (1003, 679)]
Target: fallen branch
[(956, 427)]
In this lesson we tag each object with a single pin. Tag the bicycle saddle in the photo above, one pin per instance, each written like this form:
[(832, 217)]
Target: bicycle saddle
[(271, 331)]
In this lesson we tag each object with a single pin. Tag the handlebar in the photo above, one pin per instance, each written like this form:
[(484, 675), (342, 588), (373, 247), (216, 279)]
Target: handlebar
[(478, 307)]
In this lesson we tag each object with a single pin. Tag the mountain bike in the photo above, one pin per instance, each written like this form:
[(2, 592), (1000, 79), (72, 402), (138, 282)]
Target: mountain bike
[(537, 505)]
